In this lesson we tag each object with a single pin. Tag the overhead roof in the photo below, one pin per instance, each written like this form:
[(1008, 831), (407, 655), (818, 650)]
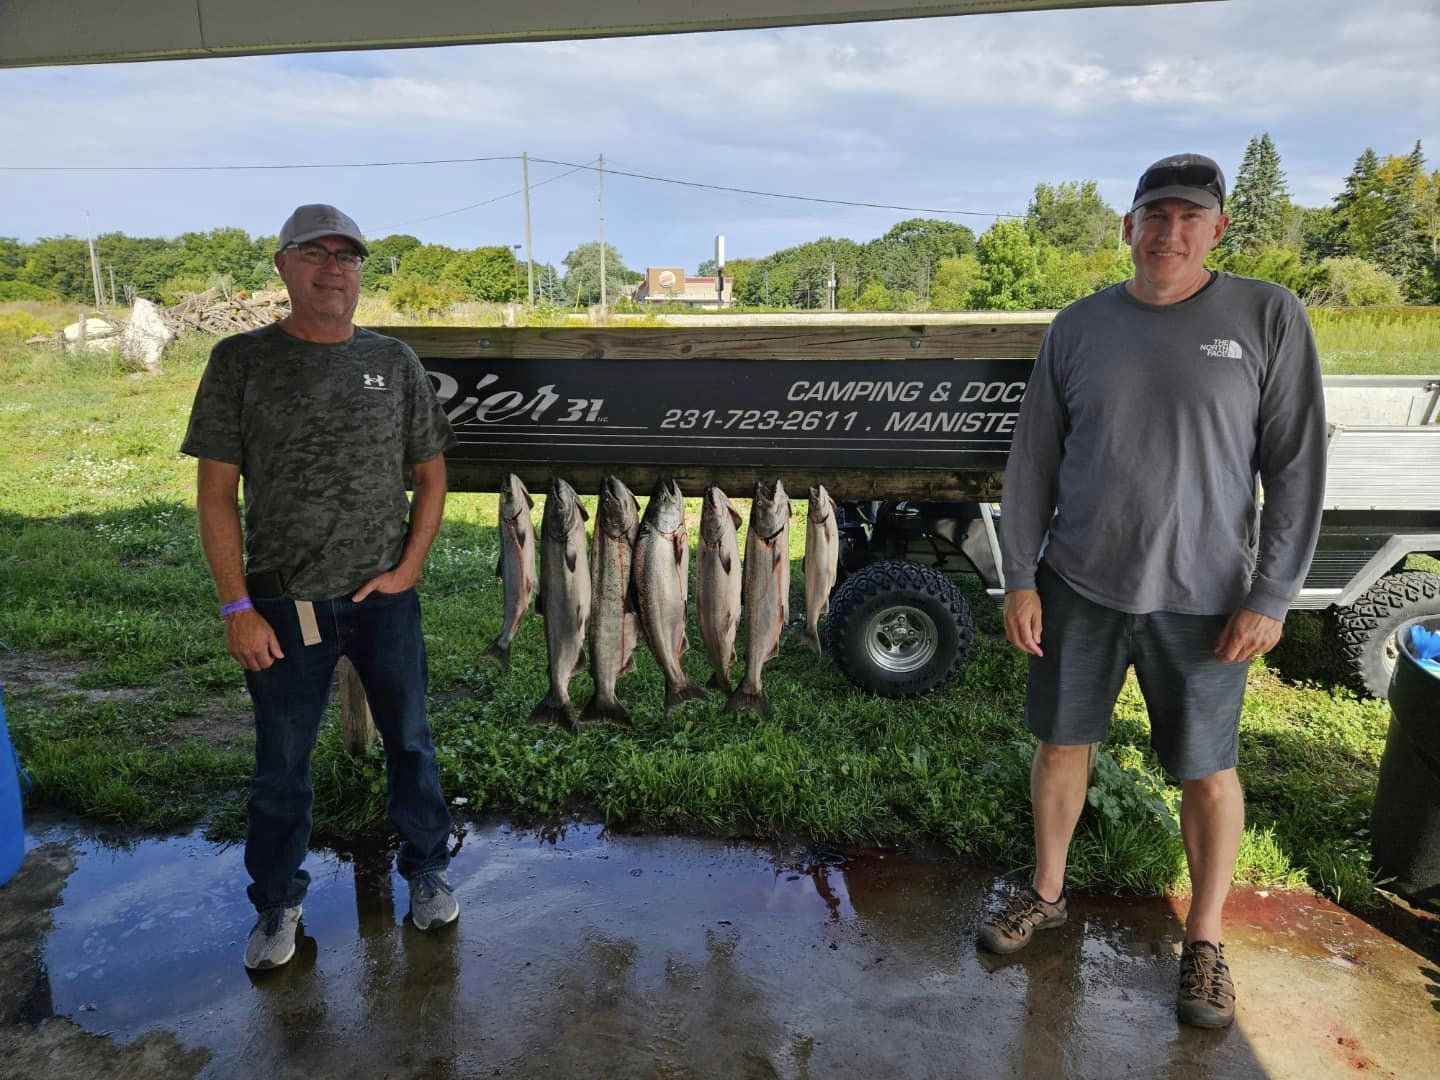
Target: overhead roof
[(52, 32)]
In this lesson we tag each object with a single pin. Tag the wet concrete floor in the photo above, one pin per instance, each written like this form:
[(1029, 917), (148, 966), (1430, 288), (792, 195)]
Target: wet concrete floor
[(587, 953)]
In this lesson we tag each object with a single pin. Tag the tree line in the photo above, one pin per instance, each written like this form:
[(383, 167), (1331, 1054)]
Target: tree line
[(1377, 242)]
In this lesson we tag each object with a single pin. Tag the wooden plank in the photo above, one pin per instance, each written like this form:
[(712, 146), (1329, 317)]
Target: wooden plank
[(991, 340), (979, 486), (357, 724)]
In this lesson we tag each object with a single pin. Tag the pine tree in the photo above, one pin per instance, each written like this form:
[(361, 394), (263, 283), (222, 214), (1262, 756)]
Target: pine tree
[(1401, 244), (1359, 208), (1258, 202)]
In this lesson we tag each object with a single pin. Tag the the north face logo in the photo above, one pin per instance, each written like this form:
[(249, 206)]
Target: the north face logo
[(374, 382), (1230, 350)]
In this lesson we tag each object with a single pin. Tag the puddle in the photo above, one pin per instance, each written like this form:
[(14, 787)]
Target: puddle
[(581, 952)]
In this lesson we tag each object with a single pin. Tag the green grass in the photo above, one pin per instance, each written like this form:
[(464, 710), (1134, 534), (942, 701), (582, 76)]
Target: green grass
[(1378, 341), (99, 562)]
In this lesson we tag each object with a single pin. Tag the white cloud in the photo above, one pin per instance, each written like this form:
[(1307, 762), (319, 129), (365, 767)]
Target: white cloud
[(967, 112)]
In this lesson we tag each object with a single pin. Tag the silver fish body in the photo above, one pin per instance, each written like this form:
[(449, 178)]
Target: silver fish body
[(661, 577), (718, 583), (564, 600), (822, 561), (766, 592), (614, 624), (516, 566)]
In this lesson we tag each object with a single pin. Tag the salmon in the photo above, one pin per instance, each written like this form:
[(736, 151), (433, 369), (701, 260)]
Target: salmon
[(515, 567), (564, 599), (766, 592)]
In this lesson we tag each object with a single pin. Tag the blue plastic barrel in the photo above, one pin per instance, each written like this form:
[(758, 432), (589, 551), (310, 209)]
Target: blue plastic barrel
[(12, 825)]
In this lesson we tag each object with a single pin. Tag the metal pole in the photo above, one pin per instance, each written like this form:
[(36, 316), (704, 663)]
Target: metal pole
[(602, 232), (529, 254)]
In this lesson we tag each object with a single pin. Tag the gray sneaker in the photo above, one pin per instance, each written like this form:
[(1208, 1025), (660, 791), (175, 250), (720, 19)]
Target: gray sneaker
[(432, 900), (272, 942)]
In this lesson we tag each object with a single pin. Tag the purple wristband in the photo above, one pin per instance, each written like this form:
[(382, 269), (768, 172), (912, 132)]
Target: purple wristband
[(243, 604)]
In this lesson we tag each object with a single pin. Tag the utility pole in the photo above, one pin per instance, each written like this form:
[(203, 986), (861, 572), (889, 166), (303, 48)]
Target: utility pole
[(94, 263), (112, 285), (602, 232), (831, 291), (529, 255)]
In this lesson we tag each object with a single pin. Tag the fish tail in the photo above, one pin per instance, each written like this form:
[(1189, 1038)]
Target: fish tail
[(555, 713), (677, 695), (754, 700), (720, 680), (811, 637), (605, 710), (499, 651)]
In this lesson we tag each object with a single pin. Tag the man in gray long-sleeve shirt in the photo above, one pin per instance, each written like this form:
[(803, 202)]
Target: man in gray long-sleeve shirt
[(1132, 534)]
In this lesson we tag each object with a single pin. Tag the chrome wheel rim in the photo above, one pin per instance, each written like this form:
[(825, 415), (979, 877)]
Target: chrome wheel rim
[(901, 639)]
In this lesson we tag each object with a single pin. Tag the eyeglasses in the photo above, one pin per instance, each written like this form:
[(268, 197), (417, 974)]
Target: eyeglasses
[(319, 255), (1192, 176)]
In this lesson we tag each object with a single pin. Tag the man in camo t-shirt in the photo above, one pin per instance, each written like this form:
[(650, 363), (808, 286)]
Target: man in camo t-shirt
[(319, 417)]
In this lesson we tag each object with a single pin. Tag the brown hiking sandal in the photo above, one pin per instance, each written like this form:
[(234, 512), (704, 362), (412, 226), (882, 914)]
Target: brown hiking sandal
[(1207, 994), (1012, 926)]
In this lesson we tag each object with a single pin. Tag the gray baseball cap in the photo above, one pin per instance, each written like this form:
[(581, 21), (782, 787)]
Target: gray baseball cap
[(314, 220), (1193, 177)]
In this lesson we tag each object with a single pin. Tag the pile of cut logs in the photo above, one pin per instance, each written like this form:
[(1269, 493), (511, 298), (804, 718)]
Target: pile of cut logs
[(216, 312)]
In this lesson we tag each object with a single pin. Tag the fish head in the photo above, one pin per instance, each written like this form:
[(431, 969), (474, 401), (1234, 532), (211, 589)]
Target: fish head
[(770, 509), (562, 506), (717, 508), (514, 498), (619, 510), (666, 510)]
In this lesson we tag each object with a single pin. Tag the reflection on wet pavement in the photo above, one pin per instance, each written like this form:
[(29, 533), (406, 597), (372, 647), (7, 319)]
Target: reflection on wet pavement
[(586, 953)]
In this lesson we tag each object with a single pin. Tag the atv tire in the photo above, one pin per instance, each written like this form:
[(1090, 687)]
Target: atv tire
[(899, 629), (1364, 636)]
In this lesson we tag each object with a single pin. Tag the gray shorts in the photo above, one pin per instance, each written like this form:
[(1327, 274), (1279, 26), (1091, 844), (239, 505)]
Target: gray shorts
[(1193, 699)]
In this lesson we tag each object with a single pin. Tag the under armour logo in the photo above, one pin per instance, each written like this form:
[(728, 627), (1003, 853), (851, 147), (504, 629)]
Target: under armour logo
[(374, 382)]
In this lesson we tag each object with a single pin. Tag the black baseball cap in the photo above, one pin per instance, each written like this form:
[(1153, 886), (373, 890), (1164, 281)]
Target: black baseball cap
[(1194, 177)]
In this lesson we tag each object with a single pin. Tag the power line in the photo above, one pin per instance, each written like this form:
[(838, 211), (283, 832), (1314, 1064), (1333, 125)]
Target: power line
[(793, 198), (944, 212), (482, 202)]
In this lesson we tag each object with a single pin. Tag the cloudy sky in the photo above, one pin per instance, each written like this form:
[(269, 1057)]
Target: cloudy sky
[(959, 114)]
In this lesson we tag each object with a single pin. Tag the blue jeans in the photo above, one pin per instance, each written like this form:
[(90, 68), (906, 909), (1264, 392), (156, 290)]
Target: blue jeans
[(381, 636)]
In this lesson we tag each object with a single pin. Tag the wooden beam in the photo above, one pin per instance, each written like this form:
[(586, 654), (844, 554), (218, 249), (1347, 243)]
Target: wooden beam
[(987, 340)]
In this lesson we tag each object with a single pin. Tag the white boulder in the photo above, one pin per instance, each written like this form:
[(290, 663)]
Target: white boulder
[(145, 335)]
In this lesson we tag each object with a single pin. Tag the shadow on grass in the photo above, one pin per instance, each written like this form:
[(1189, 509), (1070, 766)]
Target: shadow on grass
[(1303, 655)]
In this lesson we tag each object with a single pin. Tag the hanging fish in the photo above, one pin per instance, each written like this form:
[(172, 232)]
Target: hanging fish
[(822, 561), (564, 599), (717, 583), (516, 565), (661, 576), (766, 592), (614, 624)]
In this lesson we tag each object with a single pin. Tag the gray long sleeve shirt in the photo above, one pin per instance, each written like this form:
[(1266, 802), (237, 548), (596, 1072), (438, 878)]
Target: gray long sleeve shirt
[(1143, 429)]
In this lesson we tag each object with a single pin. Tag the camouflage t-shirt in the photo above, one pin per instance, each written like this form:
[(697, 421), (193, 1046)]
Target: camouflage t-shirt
[(320, 433)]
